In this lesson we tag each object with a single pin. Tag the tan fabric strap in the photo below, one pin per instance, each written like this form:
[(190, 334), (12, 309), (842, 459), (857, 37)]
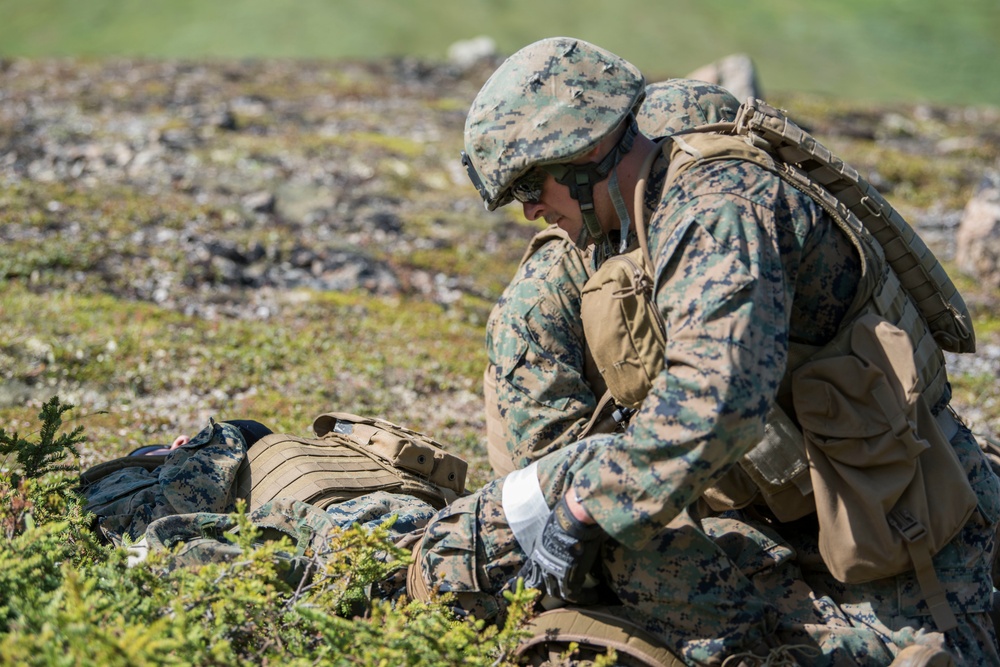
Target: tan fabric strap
[(914, 537)]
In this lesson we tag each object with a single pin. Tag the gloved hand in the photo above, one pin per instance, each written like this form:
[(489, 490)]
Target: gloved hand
[(563, 555)]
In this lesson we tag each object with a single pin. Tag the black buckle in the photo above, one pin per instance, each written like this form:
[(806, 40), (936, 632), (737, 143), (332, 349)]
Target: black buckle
[(906, 525)]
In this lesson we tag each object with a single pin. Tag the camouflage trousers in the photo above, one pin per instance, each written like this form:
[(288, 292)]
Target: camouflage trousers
[(726, 585)]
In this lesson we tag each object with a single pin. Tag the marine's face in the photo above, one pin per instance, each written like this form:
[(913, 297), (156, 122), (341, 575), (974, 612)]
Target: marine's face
[(557, 207)]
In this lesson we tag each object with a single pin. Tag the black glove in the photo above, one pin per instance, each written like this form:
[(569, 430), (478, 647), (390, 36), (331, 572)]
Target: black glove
[(562, 557)]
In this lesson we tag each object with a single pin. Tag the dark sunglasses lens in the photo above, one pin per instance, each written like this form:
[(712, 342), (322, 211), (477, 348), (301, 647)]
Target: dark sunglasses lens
[(528, 188)]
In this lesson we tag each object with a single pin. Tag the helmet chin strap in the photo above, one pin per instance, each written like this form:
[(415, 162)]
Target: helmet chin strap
[(581, 179), (621, 209)]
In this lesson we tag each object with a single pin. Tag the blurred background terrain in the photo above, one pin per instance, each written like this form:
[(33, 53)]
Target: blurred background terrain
[(881, 50), (255, 209)]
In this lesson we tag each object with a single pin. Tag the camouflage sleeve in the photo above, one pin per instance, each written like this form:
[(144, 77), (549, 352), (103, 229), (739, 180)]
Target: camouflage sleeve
[(535, 345), (725, 295)]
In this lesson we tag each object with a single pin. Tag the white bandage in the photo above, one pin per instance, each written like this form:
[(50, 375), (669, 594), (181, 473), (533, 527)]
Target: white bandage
[(524, 506)]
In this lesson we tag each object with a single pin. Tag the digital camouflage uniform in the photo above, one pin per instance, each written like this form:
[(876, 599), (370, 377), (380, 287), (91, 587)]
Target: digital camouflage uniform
[(198, 477), (705, 598), (544, 388), (537, 384), (745, 265)]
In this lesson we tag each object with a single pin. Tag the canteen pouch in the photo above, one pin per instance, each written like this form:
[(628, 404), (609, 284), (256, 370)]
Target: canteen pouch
[(623, 328)]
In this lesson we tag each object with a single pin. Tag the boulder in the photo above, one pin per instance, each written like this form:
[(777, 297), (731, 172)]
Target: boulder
[(977, 243), (736, 73), (467, 53)]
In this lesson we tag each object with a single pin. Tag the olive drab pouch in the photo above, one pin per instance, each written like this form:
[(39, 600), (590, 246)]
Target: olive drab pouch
[(351, 456), (775, 472), (879, 461), (594, 630), (623, 327)]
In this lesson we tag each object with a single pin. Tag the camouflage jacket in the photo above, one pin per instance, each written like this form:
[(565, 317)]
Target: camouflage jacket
[(198, 477), (744, 264), (546, 386), (537, 352)]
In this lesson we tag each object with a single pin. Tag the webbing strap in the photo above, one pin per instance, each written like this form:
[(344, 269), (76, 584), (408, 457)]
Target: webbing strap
[(919, 271), (598, 411), (915, 537), (416, 587), (640, 228)]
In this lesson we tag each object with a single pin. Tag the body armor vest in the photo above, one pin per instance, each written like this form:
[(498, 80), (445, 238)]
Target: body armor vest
[(776, 471)]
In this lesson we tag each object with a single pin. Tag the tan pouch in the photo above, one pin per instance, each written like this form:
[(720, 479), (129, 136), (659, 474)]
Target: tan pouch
[(623, 328), (775, 472), (879, 463), (405, 449)]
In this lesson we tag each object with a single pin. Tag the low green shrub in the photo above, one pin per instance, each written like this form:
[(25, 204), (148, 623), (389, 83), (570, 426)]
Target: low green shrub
[(67, 598)]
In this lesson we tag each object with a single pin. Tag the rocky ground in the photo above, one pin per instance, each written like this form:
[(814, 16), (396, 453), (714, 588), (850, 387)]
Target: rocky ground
[(223, 191)]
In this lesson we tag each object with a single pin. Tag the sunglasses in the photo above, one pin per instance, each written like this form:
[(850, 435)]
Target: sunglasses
[(528, 188)]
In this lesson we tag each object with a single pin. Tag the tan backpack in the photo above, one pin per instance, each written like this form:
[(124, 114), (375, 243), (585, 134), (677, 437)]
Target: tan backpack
[(878, 461)]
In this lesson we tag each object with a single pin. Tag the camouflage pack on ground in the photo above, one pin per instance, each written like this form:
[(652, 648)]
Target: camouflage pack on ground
[(351, 456), (200, 538)]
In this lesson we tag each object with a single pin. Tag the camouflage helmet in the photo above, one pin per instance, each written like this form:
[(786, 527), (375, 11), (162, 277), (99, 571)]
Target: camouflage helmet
[(550, 102), (676, 105)]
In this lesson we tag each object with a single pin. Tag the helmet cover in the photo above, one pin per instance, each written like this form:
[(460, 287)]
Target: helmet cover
[(676, 105), (550, 102)]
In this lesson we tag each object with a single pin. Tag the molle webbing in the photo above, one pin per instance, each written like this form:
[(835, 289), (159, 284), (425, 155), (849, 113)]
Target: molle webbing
[(919, 272), (314, 471), (351, 456)]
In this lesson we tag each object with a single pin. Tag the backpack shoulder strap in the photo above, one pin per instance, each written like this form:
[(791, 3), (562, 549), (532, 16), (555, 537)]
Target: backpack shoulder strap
[(806, 163)]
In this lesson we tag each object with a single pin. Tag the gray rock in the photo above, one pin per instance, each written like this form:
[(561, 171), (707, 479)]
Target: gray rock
[(736, 73), (260, 202), (977, 244), (469, 52)]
